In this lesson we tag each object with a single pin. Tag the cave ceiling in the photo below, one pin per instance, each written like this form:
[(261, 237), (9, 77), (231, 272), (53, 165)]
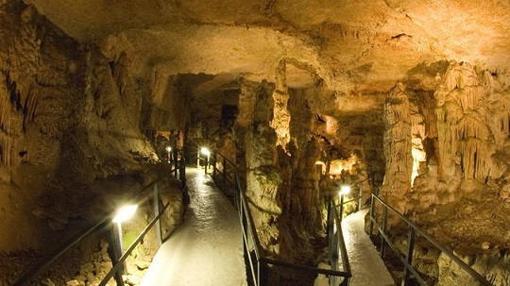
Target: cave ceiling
[(351, 45)]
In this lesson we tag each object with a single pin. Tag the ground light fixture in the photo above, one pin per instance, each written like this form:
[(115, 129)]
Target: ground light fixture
[(169, 151), (345, 190), (124, 213), (205, 151)]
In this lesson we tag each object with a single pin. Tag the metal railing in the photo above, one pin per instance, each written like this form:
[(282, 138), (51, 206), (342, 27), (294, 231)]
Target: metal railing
[(33, 273), (228, 178), (410, 272)]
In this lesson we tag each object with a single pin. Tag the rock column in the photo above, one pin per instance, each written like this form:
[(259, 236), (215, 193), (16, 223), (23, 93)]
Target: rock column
[(397, 147)]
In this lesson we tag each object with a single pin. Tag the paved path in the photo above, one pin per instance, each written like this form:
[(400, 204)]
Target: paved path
[(367, 267), (207, 248)]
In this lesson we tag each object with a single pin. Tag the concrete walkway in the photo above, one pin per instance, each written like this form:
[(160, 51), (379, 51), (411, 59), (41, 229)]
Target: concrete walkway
[(367, 267), (207, 248)]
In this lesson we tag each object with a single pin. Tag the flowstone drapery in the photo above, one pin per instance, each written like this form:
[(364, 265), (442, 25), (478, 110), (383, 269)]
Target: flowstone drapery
[(466, 137)]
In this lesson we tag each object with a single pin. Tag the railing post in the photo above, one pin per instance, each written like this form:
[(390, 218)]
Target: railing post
[(329, 226), (182, 170), (225, 171), (237, 193), (384, 224), (341, 207), (409, 256), (177, 165), (360, 200), (156, 213), (258, 272), (175, 161), (206, 163), (332, 241), (372, 215), (215, 157), (198, 157), (116, 251)]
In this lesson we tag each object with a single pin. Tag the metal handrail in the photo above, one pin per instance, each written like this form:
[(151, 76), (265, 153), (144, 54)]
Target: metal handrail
[(33, 272), (250, 233), (343, 248), (39, 268), (130, 249), (249, 217), (413, 232)]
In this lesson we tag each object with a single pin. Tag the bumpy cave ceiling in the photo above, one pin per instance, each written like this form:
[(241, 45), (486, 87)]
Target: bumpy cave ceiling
[(350, 45)]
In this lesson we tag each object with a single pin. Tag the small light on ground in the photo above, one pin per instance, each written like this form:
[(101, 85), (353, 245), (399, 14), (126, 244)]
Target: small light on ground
[(125, 213), (204, 151), (345, 190)]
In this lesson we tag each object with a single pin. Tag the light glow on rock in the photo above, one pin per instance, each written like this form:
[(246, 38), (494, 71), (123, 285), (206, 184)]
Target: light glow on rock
[(322, 166), (337, 166), (418, 156)]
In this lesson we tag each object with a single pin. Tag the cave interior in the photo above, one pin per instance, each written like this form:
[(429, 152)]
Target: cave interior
[(408, 100)]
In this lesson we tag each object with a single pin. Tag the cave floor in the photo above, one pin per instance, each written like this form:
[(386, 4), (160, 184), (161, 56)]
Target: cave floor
[(207, 248), (367, 267)]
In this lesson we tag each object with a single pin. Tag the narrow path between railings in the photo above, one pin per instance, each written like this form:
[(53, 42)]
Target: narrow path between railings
[(367, 266), (207, 248)]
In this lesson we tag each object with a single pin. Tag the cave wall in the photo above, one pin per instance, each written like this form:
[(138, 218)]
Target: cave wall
[(69, 117), (446, 144), (461, 126), (165, 108), (73, 120)]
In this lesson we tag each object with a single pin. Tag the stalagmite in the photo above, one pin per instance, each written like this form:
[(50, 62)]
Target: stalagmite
[(397, 147), (262, 177)]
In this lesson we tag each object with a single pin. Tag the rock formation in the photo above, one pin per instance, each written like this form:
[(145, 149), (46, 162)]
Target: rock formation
[(408, 98)]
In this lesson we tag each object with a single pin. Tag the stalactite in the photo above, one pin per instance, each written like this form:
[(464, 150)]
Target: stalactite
[(464, 130), (281, 115)]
